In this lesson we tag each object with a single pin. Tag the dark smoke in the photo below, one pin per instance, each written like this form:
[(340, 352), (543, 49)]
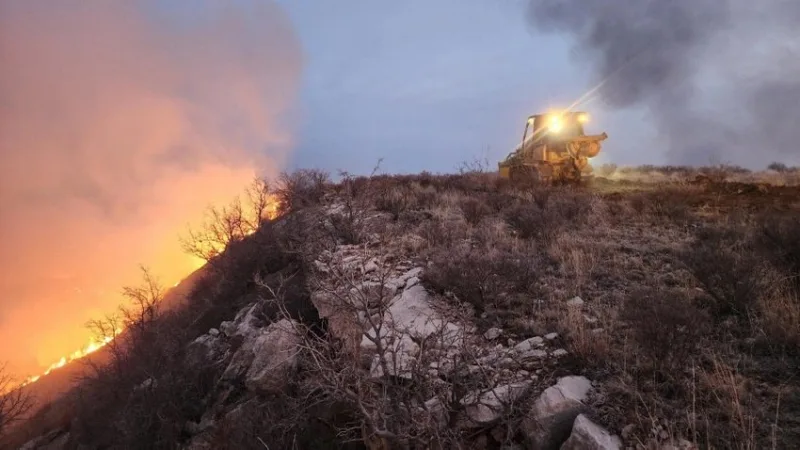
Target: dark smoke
[(658, 54)]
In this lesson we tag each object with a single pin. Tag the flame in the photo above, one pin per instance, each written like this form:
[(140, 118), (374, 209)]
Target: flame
[(91, 347), (270, 212)]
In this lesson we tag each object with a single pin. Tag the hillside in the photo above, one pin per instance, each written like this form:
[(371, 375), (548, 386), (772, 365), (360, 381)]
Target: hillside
[(654, 308)]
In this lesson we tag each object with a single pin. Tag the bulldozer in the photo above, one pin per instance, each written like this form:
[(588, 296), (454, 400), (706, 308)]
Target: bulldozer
[(554, 150)]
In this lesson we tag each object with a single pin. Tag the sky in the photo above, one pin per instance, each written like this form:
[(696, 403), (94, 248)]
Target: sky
[(427, 85), (122, 120)]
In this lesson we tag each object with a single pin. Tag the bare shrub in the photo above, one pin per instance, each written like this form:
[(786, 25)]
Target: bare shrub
[(483, 278), (143, 393), (395, 200), (396, 401), (778, 167), (222, 291), (665, 325), (474, 210), (779, 237), (475, 165), (443, 234), (346, 222), (591, 344), (723, 262), (780, 311), (15, 402), (300, 189), (425, 196), (223, 226), (577, 260)]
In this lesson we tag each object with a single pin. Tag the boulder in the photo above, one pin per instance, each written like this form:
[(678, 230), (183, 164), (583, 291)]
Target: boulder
[(575, 302), (529, 344), (275, 358), (205, 349), (492, 333), (487, 406), (587, 435), (549, 422)]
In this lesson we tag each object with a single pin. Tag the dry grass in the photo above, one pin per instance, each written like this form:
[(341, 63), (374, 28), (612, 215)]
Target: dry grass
[(690, 290), (691, 314)]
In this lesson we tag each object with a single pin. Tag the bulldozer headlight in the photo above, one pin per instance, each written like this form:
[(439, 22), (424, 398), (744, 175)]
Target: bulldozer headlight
[(555, 124)]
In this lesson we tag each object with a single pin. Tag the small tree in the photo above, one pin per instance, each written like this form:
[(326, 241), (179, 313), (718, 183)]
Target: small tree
[(15, 401), (228, 224)]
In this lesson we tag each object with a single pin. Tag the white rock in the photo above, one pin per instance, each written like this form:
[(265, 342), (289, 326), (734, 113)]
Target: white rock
[(559, 352), (276, 358), (411, 282), (415, 272), (487, 406), (533, 354), (550, 420), (575, 301), (529, 344), (550, 336), (399, 364), (213, 332), (492, 333), (227, 327), (371, 266), (587, 435), (244, 324), (205, 349)]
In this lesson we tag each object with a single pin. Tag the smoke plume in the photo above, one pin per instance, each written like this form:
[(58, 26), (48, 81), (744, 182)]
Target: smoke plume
[(717, 76), (120, 121)]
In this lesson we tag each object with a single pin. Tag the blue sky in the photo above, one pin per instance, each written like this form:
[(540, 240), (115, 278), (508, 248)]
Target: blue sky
[(426, 85)]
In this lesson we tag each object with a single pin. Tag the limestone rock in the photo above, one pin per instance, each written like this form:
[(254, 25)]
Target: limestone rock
[(549, 422), (587, 435), (575, 302), (486, 407), (493, 333), (275, 358), (529, 344)]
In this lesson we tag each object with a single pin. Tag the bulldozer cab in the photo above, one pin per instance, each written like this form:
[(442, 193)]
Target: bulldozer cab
[(546, 128)]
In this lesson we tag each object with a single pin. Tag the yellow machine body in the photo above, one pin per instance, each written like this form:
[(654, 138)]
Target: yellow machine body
[(554, 149)]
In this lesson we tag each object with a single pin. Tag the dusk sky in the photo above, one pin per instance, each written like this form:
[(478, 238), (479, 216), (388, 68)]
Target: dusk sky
[(427, 85)]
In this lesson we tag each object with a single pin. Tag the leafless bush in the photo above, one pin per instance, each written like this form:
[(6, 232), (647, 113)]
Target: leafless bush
[(665, 325), (731, 274), (300, 189), (141, 395), (15, 402), (399, 403), (395, 200), (485, 279), (346, 223), (229, 224), (475, 165), (474, 210), (778, 167), (779, 237)]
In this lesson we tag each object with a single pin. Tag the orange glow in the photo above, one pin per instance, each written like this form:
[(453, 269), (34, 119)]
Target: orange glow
[(91, 347), (117, 131), (270, 212)]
